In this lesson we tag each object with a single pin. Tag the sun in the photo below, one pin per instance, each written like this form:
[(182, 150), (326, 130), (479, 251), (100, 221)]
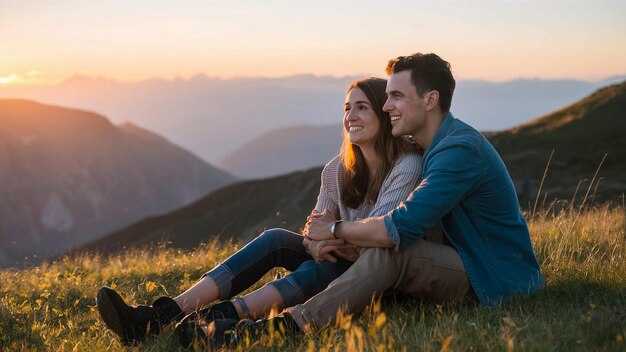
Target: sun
[(9, 79)]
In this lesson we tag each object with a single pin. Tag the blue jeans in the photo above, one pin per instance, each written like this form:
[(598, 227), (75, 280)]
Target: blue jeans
[(276, 248)]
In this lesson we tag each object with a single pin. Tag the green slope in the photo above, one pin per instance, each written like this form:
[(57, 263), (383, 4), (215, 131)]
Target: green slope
[(580, 134), (241, 210)]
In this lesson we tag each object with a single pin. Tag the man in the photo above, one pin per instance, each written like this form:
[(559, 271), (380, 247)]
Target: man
[(465, 186)]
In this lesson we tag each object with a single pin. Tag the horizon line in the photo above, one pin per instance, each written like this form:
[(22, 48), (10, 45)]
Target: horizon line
[(18, 81)]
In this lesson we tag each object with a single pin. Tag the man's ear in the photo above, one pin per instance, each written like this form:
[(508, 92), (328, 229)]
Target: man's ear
[(432, 100)]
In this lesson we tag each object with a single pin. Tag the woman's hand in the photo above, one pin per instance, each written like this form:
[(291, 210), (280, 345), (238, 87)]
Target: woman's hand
[(349, 254), (321, 250), (318, 224)]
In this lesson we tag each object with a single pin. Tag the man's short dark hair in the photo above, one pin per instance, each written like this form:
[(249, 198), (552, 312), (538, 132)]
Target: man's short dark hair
[(428, 72)]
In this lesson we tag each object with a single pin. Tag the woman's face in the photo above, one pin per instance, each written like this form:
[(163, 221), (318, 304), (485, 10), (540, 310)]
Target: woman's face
[(359, 119)]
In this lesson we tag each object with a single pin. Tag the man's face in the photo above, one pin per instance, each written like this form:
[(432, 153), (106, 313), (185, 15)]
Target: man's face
[(405, 107)]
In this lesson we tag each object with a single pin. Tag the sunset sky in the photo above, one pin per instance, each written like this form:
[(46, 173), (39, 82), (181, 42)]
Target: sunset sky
[(49, 41)]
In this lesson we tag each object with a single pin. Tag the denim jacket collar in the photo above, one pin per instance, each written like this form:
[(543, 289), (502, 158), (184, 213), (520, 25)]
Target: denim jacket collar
[(442, 131)]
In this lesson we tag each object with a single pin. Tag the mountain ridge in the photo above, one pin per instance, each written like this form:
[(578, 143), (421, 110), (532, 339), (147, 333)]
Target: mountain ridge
[(283, 150), (281, 201), (580, 134), (68, 176), (227, 113)]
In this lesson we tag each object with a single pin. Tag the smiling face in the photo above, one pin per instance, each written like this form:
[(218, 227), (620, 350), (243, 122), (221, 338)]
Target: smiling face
[(406, 108), (359, 119)]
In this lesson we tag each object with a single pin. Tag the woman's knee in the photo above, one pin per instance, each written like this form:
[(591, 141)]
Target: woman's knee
[(279, 239)]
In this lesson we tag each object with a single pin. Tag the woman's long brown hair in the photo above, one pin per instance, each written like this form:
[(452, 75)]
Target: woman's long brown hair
[(388, 148)]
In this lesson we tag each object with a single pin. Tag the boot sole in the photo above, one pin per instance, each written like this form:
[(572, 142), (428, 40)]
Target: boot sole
[(110, 315)]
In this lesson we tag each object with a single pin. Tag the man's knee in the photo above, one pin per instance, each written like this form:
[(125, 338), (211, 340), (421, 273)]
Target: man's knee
[(433, 271), (376, 260)]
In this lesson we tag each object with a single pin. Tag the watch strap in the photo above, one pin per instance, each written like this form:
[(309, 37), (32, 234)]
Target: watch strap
[(333, 228)]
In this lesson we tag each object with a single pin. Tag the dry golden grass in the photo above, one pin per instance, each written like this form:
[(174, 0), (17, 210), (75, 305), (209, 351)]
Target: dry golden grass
[(582, 254)]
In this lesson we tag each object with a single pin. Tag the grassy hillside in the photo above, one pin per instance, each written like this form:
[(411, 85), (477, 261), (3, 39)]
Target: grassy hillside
[(581, 308), (580, 135)]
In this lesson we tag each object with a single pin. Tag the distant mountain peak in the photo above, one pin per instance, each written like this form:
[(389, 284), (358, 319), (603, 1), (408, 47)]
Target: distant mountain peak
[(68, 176), (133, 129), (28, 116), (612, 89), (200, 77), (283, 150)]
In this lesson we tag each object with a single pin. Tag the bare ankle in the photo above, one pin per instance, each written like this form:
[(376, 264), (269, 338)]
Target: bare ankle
[(242, 308)]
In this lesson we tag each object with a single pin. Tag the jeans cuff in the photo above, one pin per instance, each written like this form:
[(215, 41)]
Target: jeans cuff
[(302, 317), (289, 290), (223, 277)]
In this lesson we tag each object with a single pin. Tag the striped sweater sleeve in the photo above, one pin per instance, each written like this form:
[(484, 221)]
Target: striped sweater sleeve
[(328, 196), (400, 182)]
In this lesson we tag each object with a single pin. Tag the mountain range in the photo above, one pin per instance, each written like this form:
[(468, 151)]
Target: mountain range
[(581, 134), (213, 117), (68, 176), (297, 148), (284, 150)]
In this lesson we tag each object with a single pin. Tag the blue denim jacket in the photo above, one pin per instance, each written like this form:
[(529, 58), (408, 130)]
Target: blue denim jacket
[(466, 185)]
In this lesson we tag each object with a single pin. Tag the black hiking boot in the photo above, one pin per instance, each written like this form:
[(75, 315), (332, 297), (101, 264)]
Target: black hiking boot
[(134, 324), (218, 333), (229, 332), (282, 324), (192, 328)]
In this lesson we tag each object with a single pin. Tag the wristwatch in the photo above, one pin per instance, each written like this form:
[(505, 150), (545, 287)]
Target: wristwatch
[(333, 227)]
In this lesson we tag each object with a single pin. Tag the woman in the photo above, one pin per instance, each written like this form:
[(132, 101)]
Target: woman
[(373, 173)]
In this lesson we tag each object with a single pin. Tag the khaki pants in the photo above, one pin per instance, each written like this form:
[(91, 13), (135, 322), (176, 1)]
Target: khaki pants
[(427, 270)]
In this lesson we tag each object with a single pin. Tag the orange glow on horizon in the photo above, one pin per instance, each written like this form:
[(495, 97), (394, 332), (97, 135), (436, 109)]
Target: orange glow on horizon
[(31, 77), (12, 78)]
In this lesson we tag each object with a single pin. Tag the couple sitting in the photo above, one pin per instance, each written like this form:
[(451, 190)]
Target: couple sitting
[(443, 226)]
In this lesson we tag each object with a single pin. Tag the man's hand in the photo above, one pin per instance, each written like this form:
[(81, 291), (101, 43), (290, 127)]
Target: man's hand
[(317, 227), (321, 250)]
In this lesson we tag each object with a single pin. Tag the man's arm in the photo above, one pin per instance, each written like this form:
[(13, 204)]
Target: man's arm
[(369, 232), (453, 174)]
